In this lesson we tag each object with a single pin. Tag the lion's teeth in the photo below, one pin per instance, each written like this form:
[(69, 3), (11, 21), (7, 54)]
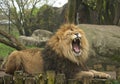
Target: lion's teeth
[(74, 40)]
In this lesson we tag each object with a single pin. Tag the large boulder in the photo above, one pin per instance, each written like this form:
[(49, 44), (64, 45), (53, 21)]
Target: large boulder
[(104, 40), (41, 35), (38, 38)]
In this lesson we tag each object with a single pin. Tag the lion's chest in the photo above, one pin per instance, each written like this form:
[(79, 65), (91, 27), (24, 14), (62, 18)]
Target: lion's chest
[(60, 65)]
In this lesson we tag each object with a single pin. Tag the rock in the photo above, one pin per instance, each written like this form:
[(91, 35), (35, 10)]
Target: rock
[(104, 40), (38, 38), (41, 35)]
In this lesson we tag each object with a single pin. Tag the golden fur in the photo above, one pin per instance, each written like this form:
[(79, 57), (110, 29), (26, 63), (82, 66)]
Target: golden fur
[(26, 59), (69, 45), (61, 42)]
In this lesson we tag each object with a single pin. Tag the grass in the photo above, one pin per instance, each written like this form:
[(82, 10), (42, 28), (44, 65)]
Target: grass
[(5, 50)]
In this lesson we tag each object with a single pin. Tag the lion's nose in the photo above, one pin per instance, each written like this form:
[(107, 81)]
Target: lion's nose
[(78, 35)]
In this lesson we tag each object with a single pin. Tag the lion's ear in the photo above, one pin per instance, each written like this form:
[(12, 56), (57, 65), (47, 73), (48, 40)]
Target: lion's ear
[(58, 38)]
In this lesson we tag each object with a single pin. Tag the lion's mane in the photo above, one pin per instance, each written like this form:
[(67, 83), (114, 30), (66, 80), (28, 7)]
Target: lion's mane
[(63, 53), (59, 45)]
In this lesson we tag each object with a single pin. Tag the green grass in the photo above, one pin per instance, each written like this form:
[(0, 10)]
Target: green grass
[(5, 50)]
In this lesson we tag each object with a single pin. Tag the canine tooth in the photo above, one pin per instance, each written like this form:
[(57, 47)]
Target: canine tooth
[(74, 40), (79, 35)]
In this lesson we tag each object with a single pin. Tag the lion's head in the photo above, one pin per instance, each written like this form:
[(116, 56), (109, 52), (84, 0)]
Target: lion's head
[(70, 41)]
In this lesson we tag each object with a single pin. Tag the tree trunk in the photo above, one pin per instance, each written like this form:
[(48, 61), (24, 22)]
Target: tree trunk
[(71, 11), (19, 27), (117, 14), (11, 41)]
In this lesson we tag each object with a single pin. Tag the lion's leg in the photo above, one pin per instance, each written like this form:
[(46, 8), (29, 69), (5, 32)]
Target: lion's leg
[(13, 63), (83, 74), (91, 74), (98, 74)]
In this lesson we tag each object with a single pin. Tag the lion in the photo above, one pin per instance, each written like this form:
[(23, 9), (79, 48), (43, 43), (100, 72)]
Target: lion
[(65, 52)]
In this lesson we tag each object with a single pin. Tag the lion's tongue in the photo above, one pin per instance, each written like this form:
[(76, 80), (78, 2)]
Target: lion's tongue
[(76, 48)]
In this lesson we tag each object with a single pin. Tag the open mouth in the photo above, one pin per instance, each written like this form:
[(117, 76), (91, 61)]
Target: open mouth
[(76, 45)]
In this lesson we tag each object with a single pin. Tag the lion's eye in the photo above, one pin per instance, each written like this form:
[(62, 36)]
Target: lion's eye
[(71, 29), (69, 33)]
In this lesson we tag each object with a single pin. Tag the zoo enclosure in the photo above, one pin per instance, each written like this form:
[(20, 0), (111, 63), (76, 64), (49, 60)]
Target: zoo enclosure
[(48, 78)]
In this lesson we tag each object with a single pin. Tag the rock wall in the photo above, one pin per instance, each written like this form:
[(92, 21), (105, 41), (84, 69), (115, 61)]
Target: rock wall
[(104, 42)]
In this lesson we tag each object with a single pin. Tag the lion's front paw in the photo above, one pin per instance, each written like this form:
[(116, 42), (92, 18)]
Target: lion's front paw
[(92, 74), (98, 74), (84, 74)]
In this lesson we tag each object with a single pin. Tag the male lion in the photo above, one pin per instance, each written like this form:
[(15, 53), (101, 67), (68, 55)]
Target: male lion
[(65, 52)]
